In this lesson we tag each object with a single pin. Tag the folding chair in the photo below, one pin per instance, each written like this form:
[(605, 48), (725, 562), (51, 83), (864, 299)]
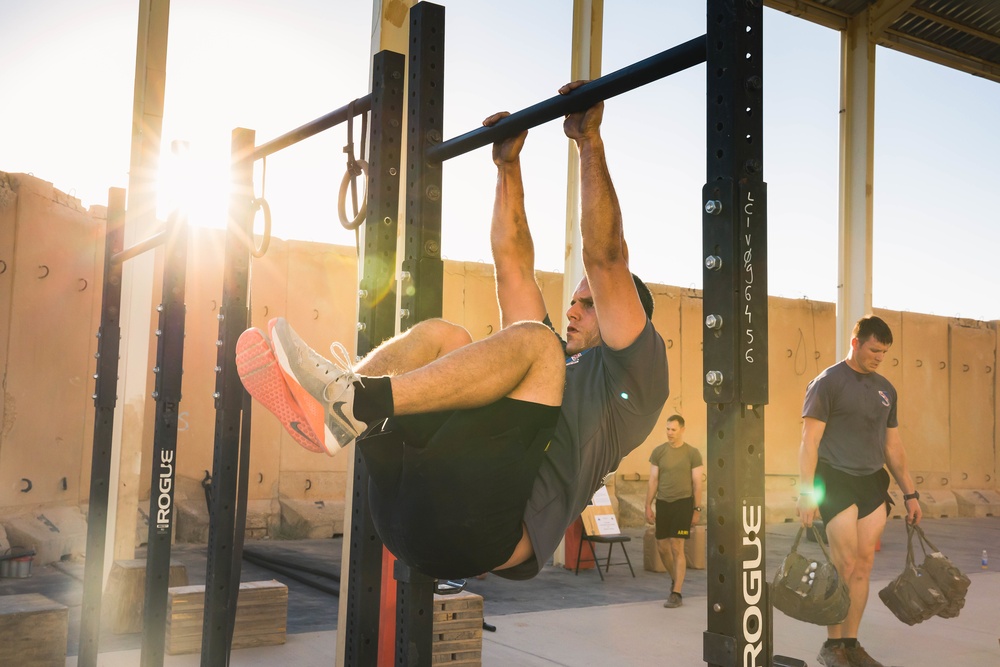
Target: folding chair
[(600, 526), (611, 541)]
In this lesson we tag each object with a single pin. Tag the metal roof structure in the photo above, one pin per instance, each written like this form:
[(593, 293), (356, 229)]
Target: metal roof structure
[(961, 34)]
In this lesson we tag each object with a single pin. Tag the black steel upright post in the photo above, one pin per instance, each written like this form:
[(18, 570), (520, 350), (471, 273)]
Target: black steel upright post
[(376, 322), (105, 398), (735, 338), (167, 394), (422, 278), (234, 316)]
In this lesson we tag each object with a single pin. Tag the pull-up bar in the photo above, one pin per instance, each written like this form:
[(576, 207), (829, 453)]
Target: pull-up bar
[(332, 119), (153, 241), (628, 78)]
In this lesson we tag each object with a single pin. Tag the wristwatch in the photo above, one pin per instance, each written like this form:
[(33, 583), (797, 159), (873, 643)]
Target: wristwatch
[(697, 508), (911, 496)]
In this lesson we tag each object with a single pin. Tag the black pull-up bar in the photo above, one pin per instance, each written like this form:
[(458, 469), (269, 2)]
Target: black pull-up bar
[(334, 118), (153, 241), (628, 78)]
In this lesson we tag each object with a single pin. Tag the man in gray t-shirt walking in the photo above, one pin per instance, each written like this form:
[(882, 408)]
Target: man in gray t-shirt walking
[(849, 433)]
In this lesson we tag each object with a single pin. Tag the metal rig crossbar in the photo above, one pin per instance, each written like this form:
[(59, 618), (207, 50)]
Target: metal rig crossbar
[(628, 78)]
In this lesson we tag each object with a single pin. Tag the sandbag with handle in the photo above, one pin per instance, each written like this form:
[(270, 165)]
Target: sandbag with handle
[(809, 590), (952, 583), (913, 596)]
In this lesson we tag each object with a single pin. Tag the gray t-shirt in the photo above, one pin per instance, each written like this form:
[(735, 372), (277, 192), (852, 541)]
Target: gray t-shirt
[(611, 403), (674, 466), (857, 409)]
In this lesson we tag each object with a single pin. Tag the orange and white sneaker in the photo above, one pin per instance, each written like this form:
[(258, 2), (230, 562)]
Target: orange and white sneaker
[(262, 376), (324, 389)]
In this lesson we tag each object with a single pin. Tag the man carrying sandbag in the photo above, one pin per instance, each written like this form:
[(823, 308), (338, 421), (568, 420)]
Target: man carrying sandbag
[(849, 435)]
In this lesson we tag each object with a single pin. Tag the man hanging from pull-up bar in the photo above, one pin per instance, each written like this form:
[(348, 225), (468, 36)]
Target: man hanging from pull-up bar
[(482, 453)]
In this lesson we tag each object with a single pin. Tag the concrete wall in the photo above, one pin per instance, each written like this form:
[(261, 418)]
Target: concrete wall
[(51, 253)]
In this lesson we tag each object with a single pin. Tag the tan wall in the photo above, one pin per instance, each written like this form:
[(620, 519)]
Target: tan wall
[(944, 369), (50, 289)]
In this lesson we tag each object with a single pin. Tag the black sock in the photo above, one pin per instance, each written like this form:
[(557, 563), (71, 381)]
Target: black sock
[(830, 643), (850, 642), (373, 399)]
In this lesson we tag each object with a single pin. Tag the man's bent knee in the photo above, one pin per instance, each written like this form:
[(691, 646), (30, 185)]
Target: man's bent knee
[(449, 336), (538, 340), (546, 374)]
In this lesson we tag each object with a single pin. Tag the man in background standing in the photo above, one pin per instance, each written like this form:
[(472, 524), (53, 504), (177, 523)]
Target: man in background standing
[(675, 475)]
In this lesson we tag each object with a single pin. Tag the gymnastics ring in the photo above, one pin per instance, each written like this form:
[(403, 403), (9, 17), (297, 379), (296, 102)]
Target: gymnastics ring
[(342, 199), (261, 204)]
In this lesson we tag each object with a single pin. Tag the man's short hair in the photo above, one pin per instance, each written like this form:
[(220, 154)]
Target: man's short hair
[(646, 297), (676, 418), (869, 326)]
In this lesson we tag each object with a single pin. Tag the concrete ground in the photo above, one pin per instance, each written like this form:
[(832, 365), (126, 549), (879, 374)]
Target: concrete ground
[(562, 619)]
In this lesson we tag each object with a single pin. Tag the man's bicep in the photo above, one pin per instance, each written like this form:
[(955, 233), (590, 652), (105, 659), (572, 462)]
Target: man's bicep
[(812, 430), (621, 317), (893, 441)]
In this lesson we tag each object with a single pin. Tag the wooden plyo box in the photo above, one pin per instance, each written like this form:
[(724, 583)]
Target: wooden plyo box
[(33, 631), (261, 616), (122, 607), (458, 630)]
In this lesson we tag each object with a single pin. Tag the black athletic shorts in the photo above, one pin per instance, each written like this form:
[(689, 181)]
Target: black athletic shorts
[(839, 490), (673, 518), (448, 489)]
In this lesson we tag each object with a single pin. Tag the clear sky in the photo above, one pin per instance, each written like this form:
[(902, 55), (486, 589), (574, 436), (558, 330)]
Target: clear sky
[(68, 72)]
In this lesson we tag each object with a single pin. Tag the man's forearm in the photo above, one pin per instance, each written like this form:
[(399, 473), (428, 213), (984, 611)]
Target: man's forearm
[(510, 238), (808, 458), (600, 217), (895, 459), (650, 493)]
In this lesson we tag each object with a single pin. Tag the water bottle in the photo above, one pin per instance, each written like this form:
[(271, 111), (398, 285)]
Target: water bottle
[(985, 562)]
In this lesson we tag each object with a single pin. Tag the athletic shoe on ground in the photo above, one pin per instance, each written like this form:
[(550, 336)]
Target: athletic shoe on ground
[(259, 371), (673, 601), (858, 657), (323, 388), (833, 656)]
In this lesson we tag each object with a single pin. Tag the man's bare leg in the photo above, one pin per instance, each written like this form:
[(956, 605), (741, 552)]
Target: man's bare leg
[(523, 361), (666, 556), (416, 347), (680, 563), (852, 549)]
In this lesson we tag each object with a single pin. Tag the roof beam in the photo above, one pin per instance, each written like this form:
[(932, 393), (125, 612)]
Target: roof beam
[(941, 55), (824, 16), (948, 23), (884, 13)]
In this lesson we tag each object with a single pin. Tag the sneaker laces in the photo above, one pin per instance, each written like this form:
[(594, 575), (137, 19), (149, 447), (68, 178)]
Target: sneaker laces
[(341, 358)]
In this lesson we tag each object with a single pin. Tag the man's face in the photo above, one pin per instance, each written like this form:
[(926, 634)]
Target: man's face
[(869, 354), (582, 332), (675, 432)]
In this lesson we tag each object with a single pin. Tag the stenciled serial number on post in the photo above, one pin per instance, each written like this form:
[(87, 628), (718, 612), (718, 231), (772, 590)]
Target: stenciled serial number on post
[(748, 279)]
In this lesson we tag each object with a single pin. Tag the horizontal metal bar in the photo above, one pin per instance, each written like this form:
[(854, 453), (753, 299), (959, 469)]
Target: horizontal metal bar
[(628, 78), (140, 247), (332, 119)]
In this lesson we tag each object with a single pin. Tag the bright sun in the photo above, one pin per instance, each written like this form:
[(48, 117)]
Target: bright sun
[(195, 183)]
